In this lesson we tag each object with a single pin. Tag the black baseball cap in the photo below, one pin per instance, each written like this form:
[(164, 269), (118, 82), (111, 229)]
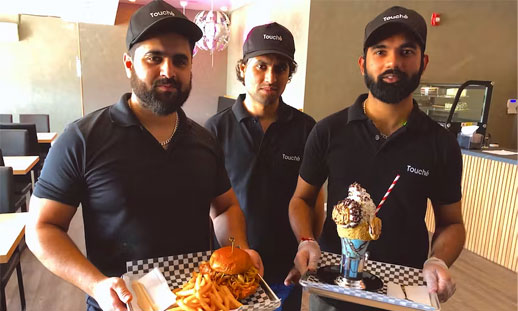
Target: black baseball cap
[(396, 17), (269, 38), (158, 15)]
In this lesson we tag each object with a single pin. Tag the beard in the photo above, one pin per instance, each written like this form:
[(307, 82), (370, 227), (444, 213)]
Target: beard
[(392, 93), (160, 103)]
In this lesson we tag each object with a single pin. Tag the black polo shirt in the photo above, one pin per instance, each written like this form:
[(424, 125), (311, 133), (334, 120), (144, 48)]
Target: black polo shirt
[(139, 200), (346, 147), (263, 170)]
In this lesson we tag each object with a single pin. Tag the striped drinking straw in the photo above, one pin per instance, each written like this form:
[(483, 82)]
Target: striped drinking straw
[(386, 194)]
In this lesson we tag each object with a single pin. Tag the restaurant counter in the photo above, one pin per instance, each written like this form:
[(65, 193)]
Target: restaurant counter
[(489, 206)]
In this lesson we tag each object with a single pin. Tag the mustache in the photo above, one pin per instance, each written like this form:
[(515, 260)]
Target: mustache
[(164, 81)]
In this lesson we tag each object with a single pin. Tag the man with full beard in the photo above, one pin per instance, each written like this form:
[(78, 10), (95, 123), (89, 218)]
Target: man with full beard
[(263, 140), (381, 135), (147, 177)]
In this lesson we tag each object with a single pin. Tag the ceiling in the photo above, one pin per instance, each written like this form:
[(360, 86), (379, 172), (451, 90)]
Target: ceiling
[(100, 11), (200, 5)]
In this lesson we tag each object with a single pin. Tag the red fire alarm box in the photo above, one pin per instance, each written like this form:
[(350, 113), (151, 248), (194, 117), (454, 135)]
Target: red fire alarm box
[(436, 19)]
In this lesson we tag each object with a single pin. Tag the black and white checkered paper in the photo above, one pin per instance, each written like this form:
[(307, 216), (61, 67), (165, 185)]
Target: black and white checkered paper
[(178, 269), (386, 272)]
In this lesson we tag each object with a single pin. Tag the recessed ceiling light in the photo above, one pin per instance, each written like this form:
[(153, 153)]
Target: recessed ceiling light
[(132, 0)]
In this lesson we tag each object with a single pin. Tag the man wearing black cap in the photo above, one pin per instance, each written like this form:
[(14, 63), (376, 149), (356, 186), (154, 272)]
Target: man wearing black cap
[(381, 135), (263, 140), (146, 175)]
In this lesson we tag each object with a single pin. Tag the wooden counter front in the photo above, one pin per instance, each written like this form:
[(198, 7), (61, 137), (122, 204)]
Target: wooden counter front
[(489, 209)]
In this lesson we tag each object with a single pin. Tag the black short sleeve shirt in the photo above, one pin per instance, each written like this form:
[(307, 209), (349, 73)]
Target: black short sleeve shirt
[(139, 201), (346, 147), (263, 170)]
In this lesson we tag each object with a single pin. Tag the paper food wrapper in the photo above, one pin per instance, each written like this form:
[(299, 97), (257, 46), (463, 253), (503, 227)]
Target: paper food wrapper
[(150, 292), (416, 293)]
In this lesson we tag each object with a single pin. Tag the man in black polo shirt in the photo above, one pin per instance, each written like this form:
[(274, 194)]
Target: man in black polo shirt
[(147, 176), (263, 140), (381, 135)]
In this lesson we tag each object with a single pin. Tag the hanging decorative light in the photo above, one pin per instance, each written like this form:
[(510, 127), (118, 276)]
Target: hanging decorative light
[(215, 26)]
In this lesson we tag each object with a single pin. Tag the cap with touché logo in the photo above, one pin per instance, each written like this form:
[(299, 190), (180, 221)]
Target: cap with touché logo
[(157, 16), (395, 16), (269, 38)]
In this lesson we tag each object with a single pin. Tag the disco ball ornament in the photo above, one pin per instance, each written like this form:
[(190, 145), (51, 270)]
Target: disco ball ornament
[(216, 30)]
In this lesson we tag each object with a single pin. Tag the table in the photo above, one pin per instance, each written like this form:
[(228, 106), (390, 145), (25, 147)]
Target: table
[(21, 164), (46, 138), (12, 230)]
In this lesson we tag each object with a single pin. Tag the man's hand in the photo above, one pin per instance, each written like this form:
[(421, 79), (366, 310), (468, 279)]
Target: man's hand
[(438, 278), (293, 277), (307, 256), (111, 294), (256, 260)]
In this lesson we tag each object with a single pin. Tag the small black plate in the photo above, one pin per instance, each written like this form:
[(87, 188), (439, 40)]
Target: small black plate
[(328, 274)]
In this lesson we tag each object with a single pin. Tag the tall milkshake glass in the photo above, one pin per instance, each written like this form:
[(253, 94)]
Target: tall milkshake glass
[(353, 261)]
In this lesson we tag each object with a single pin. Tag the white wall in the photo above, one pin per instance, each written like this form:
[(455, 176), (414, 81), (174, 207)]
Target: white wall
[(38, 73)]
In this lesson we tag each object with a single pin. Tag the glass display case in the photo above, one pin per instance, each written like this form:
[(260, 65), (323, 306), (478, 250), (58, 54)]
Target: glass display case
[(454, 105)]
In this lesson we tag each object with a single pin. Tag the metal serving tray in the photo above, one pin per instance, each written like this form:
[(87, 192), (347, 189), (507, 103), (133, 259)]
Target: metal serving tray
[(386, 272), (178, 269)]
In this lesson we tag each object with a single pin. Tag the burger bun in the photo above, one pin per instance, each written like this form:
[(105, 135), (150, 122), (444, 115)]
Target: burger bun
[(230, 260)]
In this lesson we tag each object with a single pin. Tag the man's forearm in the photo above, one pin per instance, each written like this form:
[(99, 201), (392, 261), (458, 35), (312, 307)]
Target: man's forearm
[(231, 223), (301, 218), (448, 242), (58, 253)]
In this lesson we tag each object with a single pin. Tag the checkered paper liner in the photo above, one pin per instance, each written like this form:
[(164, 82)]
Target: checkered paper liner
[(178, 269), (386, 272)]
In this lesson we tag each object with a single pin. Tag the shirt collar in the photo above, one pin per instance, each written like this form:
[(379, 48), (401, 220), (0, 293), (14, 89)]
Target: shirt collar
[(284, 113), (415, 119), (122, 115)]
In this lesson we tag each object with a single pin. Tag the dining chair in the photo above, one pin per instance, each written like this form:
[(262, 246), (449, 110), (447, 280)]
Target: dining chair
[(6, 118), (14, 142), (34, 148), (22, 187), (9, 204), (41, 120), (17, 142)]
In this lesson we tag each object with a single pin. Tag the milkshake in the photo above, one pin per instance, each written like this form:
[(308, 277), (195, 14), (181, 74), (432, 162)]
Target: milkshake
[(357, 225)]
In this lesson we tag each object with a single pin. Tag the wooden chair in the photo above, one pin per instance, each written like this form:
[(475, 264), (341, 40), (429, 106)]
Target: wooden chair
[(41, 120), (8, 204)]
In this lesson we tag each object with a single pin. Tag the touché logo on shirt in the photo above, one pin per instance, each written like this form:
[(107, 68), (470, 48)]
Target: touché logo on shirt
[(417, 171), (291, 158)]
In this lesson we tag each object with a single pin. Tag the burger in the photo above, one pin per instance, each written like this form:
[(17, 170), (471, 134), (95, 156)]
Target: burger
[(232, 267)]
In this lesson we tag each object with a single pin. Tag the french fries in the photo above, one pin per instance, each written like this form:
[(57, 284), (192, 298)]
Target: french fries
[(202, 294)]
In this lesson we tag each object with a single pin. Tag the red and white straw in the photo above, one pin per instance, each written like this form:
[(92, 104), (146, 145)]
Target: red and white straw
[(387, 194)]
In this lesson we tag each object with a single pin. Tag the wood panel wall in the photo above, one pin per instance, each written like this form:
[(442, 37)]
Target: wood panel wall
[(490, 210)]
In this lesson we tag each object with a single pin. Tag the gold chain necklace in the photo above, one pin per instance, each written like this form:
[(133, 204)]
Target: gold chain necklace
[(167, 141), (365, 112)]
